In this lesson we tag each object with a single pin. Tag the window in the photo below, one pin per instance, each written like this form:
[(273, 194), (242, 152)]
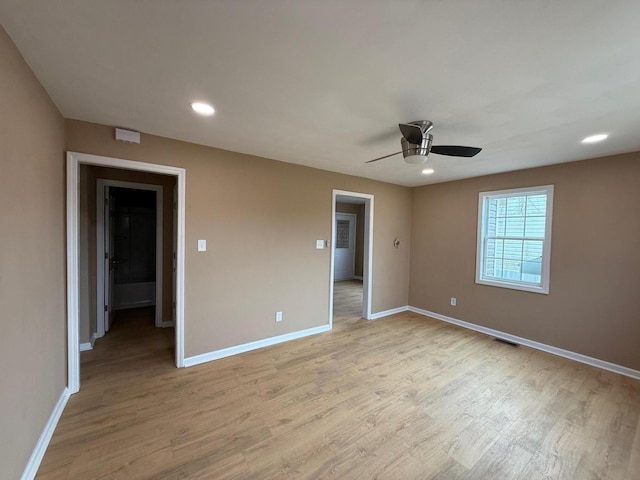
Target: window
[(342, 233), (514, 238)]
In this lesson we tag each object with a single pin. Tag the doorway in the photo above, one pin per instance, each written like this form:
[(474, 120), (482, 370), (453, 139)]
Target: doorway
[(351, 255), (74, 160), (129, 246)]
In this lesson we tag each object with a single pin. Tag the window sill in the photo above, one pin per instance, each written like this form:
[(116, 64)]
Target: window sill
[(515, 286)]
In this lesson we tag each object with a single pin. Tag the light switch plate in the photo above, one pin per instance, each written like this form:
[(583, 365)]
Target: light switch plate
[(319, 244), (202, 245)]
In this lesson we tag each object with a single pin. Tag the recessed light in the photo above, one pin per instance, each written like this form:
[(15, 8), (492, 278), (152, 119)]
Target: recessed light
[(428, 171), (595, 138), (202, 108)]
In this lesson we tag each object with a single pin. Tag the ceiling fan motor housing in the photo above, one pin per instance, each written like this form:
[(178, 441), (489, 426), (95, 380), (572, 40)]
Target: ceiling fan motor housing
[(416, 153)]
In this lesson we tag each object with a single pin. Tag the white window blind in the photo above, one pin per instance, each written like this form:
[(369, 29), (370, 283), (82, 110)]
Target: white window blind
[(514, 238)]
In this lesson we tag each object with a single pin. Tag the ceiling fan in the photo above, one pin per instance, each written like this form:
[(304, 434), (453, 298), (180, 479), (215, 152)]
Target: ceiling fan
[(416, 144)]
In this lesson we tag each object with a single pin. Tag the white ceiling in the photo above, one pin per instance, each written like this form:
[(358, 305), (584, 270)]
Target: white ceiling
[(324, 83)]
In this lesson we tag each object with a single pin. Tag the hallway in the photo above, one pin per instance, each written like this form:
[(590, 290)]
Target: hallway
[(133, 344), (347, 301)]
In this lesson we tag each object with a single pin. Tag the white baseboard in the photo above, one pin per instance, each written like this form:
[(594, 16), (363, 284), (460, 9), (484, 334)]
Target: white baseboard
[(386, 313), (246, 347), (578, 357), (89, 345), (45, 437)]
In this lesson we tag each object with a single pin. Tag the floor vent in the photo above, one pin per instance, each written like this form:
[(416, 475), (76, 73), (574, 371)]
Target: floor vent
[(506, 342)]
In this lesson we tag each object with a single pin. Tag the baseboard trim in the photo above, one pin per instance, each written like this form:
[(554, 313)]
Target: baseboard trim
[(89, 345), (386, 313), (357, 277), (45, 437), (247, 347), (167, 324), (578, 357)]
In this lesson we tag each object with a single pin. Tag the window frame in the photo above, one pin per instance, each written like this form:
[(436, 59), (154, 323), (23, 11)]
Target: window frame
[(483, 202)]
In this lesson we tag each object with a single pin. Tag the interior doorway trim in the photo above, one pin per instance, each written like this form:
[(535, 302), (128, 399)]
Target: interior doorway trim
[(367, 267), (100, 247), (74, 160)]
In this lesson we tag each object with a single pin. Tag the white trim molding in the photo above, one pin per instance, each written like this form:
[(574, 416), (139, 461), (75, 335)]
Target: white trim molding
[(89, 345), (247, 347), (386, 313), (37, 455), (484, 199), (578, 357), (74, 160)]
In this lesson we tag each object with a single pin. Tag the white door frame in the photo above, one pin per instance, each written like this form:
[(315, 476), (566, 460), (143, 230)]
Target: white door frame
[(74, 160), (367, 267), (353, 219), (100, 248)]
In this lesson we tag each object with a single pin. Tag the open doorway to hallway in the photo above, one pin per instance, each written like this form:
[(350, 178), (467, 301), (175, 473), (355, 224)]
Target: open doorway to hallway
[(351, 256), (150, 266), (127, 266)]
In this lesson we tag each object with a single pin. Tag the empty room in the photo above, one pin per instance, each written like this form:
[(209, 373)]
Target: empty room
[(308, 240)]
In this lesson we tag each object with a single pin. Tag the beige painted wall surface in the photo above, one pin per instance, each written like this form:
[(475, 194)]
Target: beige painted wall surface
[(32, 259), (88, 270), (359, 251), (261, 219), (593, 306)]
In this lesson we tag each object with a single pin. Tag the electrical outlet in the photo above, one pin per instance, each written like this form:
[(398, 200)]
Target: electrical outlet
[(453, 301), (278, 316)]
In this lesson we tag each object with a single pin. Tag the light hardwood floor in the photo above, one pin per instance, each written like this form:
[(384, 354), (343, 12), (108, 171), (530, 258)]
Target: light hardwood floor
[(404, 397), (347, 301)]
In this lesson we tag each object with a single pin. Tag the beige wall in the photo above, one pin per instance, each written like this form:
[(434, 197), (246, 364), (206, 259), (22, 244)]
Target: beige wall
[(32, 259), (358, 210), (88, 283), (593, 306), (261, 219)]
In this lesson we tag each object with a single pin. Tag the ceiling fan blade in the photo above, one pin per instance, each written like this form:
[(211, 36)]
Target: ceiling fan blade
[(413, 133), (455, 150), (382, 158)]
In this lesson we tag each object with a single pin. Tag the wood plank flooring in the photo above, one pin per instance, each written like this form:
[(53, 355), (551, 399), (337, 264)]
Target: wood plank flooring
[(347, 301), (404, 397)]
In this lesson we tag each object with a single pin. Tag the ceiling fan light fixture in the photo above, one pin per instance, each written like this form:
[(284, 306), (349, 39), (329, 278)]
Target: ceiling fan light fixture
[(416, 153), (416, 159), (416, 144), (595, 138)]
